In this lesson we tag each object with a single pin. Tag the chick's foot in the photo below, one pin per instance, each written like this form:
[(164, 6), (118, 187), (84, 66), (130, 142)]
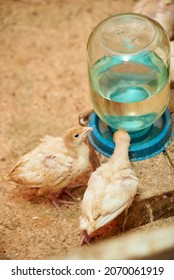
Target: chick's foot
[(57, 201), (85, 238)]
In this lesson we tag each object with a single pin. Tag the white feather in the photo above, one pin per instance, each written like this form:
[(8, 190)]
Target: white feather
[(111, 189)]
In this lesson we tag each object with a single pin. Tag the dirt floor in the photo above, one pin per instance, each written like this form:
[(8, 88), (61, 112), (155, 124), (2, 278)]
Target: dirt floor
[(43, 88)]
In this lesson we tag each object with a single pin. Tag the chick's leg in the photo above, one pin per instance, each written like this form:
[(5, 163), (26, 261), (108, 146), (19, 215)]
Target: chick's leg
[(68, 192), (57, 201), (53, 198)]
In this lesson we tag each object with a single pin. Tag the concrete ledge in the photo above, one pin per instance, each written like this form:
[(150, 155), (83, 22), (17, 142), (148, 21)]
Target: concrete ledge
[(156, 192), (147, 210), (155, 241)]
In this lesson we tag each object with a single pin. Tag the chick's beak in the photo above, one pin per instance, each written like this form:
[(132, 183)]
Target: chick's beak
[(86, 130)]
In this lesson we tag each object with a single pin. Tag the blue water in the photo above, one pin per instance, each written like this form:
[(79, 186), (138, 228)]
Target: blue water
[(121, 85)]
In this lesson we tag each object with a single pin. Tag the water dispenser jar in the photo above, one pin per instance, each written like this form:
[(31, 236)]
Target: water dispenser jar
[(128, 66)]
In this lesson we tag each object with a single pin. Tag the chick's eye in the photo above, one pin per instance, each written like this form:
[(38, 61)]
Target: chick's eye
[(77, 135)]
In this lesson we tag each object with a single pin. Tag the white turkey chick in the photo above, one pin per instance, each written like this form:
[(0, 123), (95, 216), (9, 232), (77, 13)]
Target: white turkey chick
[(111, 189), (54, 163)]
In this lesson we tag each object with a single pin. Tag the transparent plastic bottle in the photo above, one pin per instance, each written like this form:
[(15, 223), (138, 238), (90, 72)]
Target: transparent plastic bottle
[(128, 64)]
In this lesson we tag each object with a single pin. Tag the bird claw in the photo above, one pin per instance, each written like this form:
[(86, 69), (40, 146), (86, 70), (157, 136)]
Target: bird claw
[(85, 238), (58, 202)]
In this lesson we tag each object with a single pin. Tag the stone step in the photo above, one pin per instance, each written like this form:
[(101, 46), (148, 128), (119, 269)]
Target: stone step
[(155, 199), (152, 241)]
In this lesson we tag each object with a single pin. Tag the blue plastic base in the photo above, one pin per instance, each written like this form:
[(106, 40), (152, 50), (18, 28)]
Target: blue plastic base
[(154, 142)]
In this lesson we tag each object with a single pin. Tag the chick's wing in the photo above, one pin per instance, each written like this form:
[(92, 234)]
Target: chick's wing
[(109, 202), (51, 169), (45, 165)]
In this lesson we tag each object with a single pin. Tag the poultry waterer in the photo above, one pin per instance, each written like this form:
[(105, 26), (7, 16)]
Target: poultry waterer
[(128, 64)]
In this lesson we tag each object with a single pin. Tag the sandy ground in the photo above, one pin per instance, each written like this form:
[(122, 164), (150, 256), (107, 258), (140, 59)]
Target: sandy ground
[(43, 88)]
